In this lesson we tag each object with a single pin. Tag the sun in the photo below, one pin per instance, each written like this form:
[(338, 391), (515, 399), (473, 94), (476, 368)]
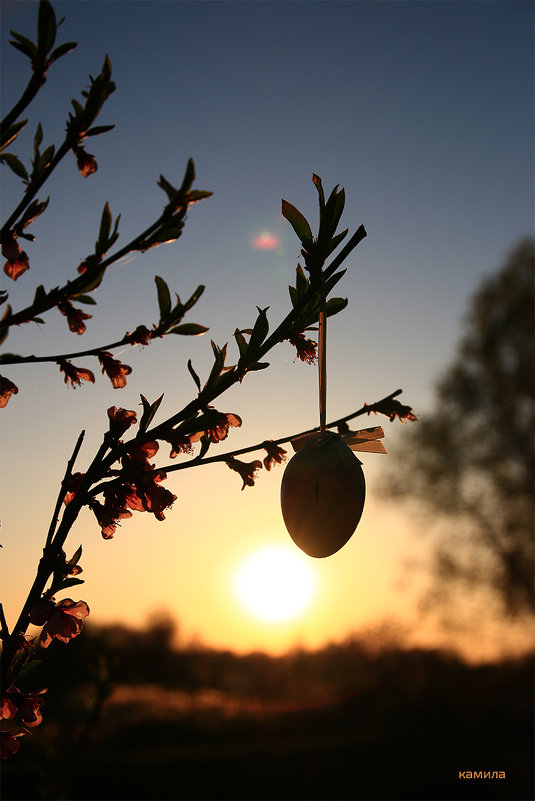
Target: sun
[(275, 583)]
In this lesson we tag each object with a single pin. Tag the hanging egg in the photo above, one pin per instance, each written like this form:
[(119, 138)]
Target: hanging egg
[(322, 495)]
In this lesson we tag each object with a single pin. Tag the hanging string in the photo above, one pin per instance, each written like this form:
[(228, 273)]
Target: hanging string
[(322, 360)]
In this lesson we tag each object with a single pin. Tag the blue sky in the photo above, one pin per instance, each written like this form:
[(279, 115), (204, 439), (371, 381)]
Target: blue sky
[(423, 111)]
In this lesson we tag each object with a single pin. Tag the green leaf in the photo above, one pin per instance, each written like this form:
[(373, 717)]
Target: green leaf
[(75, 558), (194, 298), (94, 282), (9, 358), (198, 194), (220, 354), (166, 234), (78, 108), (149, 410), (38, 138), (99, 129), (45, 159), (11, 133), (205, 444), (168, 188), (105, 225), (46, 28), (164, 297), (189, 329), (301, 281), (330, 217), (189, 176), (15, 165), (258, 366), (293, 296), (70, 582), (194, 375), (32, 212), (298, 223), (335, 241), (40, 296), (332, 281), (335, 305), (87, 299), (260, 330), (24, 45), (242, 342), (317, 183), (61, 50)]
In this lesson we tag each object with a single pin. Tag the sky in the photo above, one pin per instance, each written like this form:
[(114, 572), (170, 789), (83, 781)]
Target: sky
[(422, 111)]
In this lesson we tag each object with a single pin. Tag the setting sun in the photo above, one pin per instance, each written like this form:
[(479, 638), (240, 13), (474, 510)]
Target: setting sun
[(275, 584)]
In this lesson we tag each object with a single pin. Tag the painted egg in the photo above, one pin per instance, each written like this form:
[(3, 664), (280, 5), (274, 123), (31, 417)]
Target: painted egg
[(322, 495)]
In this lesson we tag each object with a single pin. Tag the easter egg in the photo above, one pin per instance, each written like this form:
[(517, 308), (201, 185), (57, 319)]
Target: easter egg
[(322, 495)]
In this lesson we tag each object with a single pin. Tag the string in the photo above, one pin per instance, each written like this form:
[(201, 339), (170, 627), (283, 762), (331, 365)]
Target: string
[(322, 361)]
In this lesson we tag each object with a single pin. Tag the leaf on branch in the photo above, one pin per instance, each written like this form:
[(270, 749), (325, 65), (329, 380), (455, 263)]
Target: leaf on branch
[(24, 45), (194, 375), (11, 133), (194, 298), (163, 236), (189, 329), (34, 210), (317, 183), (149, 410), (189, 177), (164, 297), (46, 29), (15, 165), (44, 160), (298, 222), (75, 558), (241, 341), (40, 296), (335, 305), (220, 354), (10, 358), (87, 299), (105, 225), (168, 188), (93, 282), (61, 50), (330, 217), (99, 129), (260, 329), (335, 241), (37, 139)]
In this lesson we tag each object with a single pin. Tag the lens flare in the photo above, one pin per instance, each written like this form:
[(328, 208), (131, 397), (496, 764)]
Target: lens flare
[(265, 240)]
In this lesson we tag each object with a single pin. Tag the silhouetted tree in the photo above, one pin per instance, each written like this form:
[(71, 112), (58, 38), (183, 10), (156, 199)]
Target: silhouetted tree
[(471, 460)]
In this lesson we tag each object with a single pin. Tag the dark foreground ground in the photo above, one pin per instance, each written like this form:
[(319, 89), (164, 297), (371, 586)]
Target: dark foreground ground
[(343, 723)]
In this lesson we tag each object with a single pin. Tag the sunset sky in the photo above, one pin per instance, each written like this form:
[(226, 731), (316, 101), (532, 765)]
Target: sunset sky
[(423, 111)]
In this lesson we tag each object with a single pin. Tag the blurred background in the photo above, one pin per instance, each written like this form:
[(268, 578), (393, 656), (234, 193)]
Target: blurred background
[(406, 654)]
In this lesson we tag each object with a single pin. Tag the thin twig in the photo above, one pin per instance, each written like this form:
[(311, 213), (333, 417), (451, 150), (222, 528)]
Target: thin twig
[(63, 490)]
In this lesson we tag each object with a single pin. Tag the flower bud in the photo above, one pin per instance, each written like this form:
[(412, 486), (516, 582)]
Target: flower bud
[(322, 495)]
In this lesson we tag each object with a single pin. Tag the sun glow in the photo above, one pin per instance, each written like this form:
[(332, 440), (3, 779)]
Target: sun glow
[(275, 584)]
